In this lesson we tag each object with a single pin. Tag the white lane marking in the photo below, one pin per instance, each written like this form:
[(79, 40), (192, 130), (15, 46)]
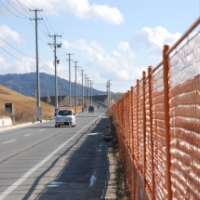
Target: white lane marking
[(9, 141), (42, 130), (27, 135), (92, 179), (11, 188)]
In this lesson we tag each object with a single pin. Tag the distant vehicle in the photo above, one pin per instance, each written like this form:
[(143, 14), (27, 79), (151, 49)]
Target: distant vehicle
[(91, 109), (65, 117), (98, 106)]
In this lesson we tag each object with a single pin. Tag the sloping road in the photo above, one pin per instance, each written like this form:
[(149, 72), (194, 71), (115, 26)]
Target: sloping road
[(44, 162)]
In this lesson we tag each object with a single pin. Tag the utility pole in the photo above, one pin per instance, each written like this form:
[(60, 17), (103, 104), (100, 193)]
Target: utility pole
[(39, 111), (69, 79), (91, 91), (56, 61), (82, 92), (85, 89), (76, 86), (34, 90), (79, 92), (108, 90)]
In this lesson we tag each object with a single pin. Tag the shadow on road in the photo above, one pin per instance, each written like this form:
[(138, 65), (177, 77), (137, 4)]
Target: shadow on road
[(87, 170)]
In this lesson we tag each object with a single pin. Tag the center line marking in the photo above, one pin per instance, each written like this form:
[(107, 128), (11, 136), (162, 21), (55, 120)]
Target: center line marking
[(9, 141), (42, 130), (27, 135), (11, 188)]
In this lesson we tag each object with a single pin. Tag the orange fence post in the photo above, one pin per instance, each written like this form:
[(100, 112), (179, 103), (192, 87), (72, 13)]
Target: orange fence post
[(132, 146), (131, 93), (144, 134), (138, 89), (130, 121), (150, 69), (167, 118)]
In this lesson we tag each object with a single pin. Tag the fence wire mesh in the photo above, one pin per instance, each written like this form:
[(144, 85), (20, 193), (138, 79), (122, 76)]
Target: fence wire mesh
[(159, 125), (185, 120)]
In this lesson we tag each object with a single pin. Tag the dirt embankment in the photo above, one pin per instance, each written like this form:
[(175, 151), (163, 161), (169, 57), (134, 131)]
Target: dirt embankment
[(24, 107)]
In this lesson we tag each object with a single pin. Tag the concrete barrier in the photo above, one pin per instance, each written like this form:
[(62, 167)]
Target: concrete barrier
[(5, 121)]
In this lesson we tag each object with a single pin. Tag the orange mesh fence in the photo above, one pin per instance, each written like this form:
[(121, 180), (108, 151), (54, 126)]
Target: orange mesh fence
[(185, 119), (148, 142), (159, 133), (158, 125), (140, 127), (135, 152)]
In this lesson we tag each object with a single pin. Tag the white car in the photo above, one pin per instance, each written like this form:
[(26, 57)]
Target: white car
[(65, 117)]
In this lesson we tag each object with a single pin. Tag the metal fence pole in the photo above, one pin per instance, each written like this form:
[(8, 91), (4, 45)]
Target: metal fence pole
[(144, 136), (150, 69), (167, 118)]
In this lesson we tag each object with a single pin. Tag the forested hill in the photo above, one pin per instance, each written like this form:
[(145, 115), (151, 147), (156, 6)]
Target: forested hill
[(26, 84)]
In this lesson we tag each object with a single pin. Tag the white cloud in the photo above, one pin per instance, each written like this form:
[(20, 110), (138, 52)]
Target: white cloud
[(124, 46), (102, 65), (2, 60), (81, 9), (154, 38), (7, 34)]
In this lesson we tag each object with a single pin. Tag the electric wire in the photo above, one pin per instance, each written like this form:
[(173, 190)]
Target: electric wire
[(24, 8), (16, 48), (38, 35), (43, 31), (11, 11), (14, 6), (48, 22), (15, 57), (45, 25), (29, 4), (45, 65)]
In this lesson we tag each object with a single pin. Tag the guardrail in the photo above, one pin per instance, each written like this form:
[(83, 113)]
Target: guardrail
[(102, 104), (158, 125)]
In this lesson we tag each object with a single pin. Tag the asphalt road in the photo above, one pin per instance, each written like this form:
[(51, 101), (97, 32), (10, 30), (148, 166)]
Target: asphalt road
[(43, 162)]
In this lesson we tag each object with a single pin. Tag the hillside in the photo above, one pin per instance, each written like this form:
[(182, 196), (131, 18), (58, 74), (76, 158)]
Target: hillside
[(21, 103), (26, 84)]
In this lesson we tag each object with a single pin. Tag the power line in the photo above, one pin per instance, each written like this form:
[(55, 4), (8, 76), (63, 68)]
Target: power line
[(14, 6), (48, 22), (46, 26), (25, 9), (45, 65), (15, 48), (11, 11), (29, 4), (14, 56), (46, 34), (39, 36)]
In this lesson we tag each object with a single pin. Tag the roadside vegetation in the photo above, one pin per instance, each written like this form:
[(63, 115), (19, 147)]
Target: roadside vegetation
[(122, 186), (28, 115)]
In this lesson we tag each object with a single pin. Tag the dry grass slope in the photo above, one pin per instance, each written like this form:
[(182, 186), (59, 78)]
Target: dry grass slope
[(23, 106)]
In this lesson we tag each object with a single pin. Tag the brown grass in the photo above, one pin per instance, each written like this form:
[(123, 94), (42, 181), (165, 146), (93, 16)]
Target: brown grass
[(24, 107)]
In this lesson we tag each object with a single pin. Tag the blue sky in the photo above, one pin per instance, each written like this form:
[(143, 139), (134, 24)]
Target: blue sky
[(111, 40)]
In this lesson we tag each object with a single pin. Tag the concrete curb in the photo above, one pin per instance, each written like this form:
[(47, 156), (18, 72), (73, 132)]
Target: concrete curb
[(21, 125)]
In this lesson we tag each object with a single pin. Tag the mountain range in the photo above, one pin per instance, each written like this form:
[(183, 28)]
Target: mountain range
[(26, 85)]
